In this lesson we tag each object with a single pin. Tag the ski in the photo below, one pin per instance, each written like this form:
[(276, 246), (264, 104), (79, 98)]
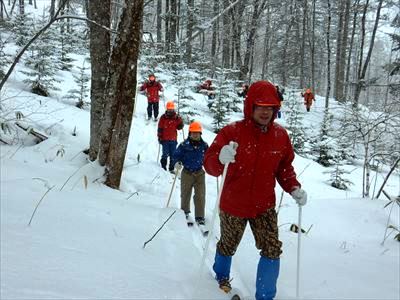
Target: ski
[(204, 230), (235, 297)]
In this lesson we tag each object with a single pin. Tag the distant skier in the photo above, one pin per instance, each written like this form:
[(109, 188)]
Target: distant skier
[(308, 99), (190, 154), (263, 155), (168, 125), (206, 88), (280, 95), (152, 88), (243, 92)]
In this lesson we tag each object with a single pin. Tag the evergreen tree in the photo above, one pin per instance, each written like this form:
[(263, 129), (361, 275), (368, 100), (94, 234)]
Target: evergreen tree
[(326, 146), (4, 57), (337, 180), (294, 117), (22, 28), (181, 78), (81, 93), (66, 40), (42, 63)]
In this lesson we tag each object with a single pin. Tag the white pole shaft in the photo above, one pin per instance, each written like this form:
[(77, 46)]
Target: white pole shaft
[(210, 233), (298, 255)]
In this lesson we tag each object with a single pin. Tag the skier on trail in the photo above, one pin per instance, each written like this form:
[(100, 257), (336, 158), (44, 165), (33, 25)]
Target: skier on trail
[(243, 92), (190, 155), (308, 99), (207, 89), (152, 88), (262, 155), (280, 95), (168, 125)]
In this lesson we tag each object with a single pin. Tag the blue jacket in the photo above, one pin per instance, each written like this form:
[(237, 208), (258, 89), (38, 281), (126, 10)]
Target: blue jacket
[(190, 154)]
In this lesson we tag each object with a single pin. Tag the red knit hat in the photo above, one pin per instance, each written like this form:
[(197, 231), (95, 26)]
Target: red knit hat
[(261, 93)]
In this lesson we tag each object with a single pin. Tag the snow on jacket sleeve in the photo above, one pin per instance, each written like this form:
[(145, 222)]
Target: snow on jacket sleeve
[(179, 122), (286, 175), (143, 87)]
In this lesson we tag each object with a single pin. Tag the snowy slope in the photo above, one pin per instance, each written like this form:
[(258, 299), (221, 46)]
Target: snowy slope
[(88, 242)]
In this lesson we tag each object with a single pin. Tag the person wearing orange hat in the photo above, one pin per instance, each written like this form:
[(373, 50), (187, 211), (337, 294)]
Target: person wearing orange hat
[(152, 88), (257, 153), (190, 156), (308, 99), (170, 122)]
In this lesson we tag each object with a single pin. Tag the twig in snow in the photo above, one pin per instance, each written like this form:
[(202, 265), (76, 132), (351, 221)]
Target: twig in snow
[(37, 205), (144, 245)]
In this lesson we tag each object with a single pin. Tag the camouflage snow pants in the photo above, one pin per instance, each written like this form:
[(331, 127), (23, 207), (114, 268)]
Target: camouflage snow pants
[(264, 228)]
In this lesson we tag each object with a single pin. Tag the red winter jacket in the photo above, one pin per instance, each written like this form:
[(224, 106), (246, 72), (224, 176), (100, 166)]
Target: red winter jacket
[(167, 127), (152, 89), (261, 158)]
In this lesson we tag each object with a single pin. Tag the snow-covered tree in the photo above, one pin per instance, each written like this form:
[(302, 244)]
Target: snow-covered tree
[(337, 180), (42, 63), (294, 118), (22, 28)]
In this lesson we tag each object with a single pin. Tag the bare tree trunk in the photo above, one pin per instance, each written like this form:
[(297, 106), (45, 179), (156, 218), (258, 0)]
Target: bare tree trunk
[(159, 23), (52, 8), (347, 80), (303, 43), (100, 12), (328, 49), (21, 7), (226, 36), (173, 29), (258, 8), (214, 31), (361, 73), (267, 41), (121, 88), (339, 47), (339, 85), (167, 17), (313, 46), (189, 31)]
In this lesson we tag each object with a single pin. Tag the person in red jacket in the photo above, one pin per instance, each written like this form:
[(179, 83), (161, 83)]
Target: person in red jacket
[(308, 99), (152, 88), (259, 153), (168, 125)]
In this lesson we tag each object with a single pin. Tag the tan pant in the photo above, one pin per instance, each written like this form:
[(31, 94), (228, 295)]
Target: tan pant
[(197, 182), (264, 228)]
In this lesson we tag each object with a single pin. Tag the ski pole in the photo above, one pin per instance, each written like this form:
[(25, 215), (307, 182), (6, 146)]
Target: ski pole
[(298, 255), (172, 188), (203, 259), (158, 154)]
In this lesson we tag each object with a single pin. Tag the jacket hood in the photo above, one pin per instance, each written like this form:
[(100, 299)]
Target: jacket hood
[(260, 93)]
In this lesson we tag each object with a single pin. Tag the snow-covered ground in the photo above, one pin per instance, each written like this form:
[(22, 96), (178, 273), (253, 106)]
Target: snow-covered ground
[(87, 242)]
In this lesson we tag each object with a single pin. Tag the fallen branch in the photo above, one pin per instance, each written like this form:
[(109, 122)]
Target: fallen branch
[(31, 131)]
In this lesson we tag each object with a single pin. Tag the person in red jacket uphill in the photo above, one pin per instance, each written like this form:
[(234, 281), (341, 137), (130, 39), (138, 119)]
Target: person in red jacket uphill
[(308, 99), (152, 88), (190, 154), (168, 125), (259, 152)]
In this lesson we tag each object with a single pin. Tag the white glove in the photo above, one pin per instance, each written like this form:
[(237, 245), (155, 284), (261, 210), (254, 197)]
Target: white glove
[(228, 152), (178, 166), (300, 196)]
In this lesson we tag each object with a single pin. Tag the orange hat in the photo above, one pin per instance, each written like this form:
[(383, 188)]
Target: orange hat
[(195, 127), (170, 105)]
